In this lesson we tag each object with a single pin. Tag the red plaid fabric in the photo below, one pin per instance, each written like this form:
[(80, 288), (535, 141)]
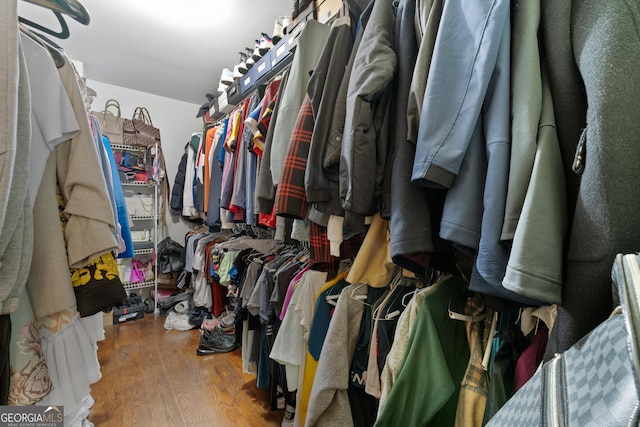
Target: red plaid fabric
[(320, 250), (268, 103), (291, 198)]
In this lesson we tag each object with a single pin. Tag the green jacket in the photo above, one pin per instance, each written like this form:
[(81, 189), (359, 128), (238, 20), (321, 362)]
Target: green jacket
[(426, 390)]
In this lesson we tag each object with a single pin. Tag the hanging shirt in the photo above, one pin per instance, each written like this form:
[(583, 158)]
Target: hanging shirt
[(52, 118), (427, 387)]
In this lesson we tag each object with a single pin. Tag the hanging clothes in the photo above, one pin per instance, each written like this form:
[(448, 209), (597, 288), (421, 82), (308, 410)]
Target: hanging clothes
[(426, 388)]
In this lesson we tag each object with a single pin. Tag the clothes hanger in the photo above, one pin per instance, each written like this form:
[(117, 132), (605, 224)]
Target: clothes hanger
[(359, 298), (488, 349), (464, 317), (57, 56), (63, 34), (71, 8)]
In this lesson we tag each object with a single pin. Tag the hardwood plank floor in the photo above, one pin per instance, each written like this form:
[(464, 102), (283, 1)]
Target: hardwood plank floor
[(153, 377)]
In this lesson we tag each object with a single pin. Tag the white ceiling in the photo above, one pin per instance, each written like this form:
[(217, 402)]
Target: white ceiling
[(172, 48)]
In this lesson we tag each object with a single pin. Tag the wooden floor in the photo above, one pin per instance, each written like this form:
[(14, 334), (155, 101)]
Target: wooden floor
[(153, 377)]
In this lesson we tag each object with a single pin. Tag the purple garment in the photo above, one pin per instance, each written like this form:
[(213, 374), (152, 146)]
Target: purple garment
[(530, 359), (289, 294)]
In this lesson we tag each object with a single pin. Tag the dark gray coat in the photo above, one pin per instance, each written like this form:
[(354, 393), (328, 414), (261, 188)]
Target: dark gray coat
[(364, 148), (593, 51)]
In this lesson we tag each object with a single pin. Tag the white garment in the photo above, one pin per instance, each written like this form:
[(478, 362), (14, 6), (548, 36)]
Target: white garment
[(225, 224), (335, 234), (72, 359), (287, 348), (177, 321), (52, 117), (312, 281), (248, 367), (188, 203), (301, 230), (280, 228), (202, 293), (26, 357)]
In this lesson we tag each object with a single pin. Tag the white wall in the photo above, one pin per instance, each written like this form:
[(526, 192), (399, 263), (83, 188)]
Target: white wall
[(175, 119)]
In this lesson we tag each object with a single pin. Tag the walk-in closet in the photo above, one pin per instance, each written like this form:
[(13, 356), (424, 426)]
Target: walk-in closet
[(331, 213)]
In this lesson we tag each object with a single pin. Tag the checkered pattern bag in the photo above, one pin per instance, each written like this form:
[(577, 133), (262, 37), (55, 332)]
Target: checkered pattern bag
[(595, 382), (140, 130)]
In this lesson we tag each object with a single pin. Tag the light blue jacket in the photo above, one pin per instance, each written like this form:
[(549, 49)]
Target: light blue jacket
[(462, 66), (464, 133)]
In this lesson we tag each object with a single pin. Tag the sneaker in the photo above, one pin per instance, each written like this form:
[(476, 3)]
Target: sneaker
[(228, 321), (265, 44), (242, 66), (286, 21), (236, 72), (249, 61), (278, 31), (215, 342), (222, 87), (256, 55), (197, 316), (289, 415), (226, 76), (210, 324)]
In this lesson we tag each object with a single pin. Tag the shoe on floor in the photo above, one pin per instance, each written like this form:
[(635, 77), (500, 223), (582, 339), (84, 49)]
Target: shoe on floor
[(289, 415), (216, 341), (228, 321), (207, 349)]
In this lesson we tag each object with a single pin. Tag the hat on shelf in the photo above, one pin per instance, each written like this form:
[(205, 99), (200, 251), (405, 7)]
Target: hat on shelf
[(203, 110)]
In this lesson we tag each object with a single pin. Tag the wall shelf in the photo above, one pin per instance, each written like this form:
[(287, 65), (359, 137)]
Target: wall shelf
[(142, 218), (143, 251), (129, 286), (128, 147), (146, 224), (138, 183)]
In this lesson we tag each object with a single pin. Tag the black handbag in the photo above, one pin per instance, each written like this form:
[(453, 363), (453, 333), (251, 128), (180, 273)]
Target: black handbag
[(596, 381), (170, 256)]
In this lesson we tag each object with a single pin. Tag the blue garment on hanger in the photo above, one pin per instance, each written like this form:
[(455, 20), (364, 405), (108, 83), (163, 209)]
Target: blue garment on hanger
[(123, 217), (223, 137)]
